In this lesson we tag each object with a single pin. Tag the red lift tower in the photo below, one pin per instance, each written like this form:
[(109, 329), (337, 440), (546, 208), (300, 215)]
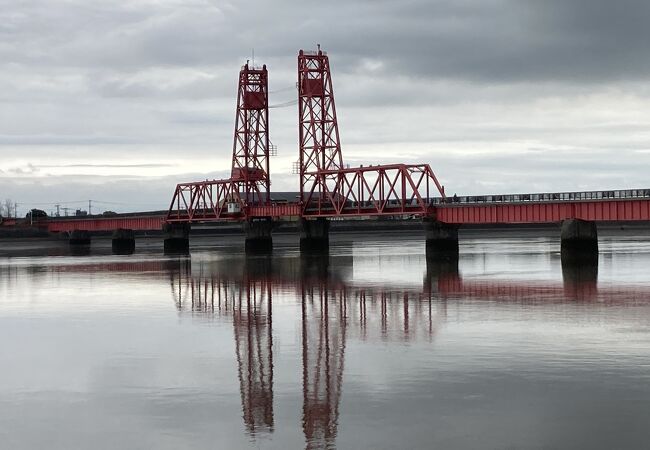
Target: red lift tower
[(327, 187), (249, 182), (250, 152)]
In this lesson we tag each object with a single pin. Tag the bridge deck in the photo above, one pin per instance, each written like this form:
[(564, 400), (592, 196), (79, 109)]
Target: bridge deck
[(613, 206), (622, 210), (136, 223)]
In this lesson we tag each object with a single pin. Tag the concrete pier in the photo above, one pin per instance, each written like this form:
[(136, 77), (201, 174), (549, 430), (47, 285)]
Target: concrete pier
[(440, 272), (314, 235), (441, 240), (177, 238), (79, 238), (258, 235), (123, 241), (580, 280), (79, 241), (314, 266), (579, 242)]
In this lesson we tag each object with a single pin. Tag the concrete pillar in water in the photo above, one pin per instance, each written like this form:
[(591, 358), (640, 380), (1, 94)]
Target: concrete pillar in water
[(80, 238), (258, 235), (580, 280), (441, 275), (441, 240), (314, 266), (314, 235), (123, 241), (579, 242), (79, 241), (177, 237)]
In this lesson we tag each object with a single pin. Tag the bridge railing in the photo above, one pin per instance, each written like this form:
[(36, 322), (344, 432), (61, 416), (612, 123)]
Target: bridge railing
[(551, 197)]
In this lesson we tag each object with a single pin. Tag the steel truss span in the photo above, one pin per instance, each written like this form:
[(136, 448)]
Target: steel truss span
[(366, 191), (249, 182), (327, 187), (206, 201)]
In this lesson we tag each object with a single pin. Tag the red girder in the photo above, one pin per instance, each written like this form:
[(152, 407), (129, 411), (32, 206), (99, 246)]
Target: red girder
[(395, 189), (545, 212), (206, 201), (327, 189), (136, 223)]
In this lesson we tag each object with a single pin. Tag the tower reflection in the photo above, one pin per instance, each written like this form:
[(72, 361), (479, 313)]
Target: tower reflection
[(333, 310), (248, 304), (252, 321), (324, 325)]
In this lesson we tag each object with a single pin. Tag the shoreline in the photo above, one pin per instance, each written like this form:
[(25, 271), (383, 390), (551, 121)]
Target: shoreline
[(336, 226)]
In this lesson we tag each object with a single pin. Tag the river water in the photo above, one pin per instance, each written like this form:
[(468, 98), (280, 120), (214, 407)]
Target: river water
[(370, 347)]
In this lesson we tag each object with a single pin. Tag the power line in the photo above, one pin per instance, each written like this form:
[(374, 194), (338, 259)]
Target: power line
[(53, 202), (284, 104), (285, 89), (68, 202)]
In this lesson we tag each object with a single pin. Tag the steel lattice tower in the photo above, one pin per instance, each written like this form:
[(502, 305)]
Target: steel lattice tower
[(250, 159), (320, 148)]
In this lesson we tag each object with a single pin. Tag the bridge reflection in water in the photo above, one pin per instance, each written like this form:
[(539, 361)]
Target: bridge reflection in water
[(334, 310)]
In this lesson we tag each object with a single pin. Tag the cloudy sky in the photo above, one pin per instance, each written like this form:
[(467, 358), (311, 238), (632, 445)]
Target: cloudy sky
[(117, 100)]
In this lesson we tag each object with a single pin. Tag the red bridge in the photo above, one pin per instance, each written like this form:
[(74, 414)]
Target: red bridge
[(610, 206), (328, 188)]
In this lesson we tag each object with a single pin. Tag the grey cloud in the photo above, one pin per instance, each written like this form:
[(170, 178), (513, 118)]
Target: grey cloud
[(88, 81), (9, 140), (498, 40), (192, 88), (505, 41), (28, 169), (149, 166), (134, 193)]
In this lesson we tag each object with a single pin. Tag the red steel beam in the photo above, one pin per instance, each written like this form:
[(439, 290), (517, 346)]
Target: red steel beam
[(395, 189), (602, 210), (277, 210), (207, 201), (7, 221), (137, 223)]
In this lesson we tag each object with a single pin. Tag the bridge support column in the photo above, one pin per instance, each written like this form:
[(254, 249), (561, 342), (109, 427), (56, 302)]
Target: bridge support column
[(441, 275), (314, 235), (258, 235), (177, 238), (123, 241), (79, 241), (441, 240), (80, 238), (580, 280), (579, 242)]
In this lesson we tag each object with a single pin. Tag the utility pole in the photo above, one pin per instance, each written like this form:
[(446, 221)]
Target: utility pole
[(90, 213), (65, 211), (15, 210), (58, 213)]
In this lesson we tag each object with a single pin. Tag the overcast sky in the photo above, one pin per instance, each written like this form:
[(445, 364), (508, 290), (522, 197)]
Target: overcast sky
[(117, 101)]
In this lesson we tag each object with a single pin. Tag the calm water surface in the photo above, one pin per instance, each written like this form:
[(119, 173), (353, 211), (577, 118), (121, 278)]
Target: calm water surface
[(367, 348)]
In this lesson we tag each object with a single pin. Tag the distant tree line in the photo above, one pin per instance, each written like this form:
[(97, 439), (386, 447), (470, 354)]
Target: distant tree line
[(8, 208)]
